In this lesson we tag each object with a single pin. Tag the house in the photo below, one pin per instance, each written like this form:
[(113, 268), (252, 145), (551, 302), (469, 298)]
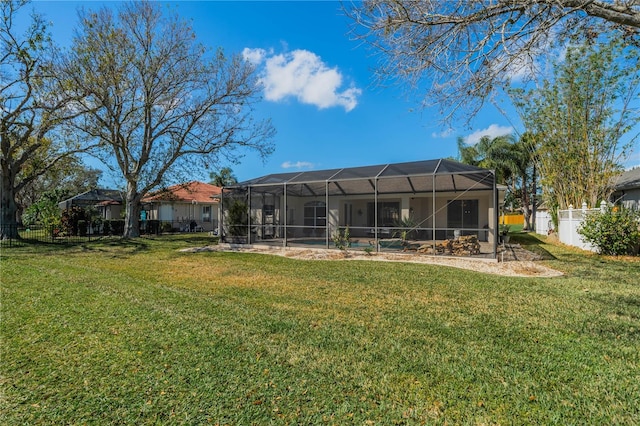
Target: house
[(187, 206), (383, 206), (108, 202), (627, 189)]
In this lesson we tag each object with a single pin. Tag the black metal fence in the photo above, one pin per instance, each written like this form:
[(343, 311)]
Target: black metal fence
[(18, 235)]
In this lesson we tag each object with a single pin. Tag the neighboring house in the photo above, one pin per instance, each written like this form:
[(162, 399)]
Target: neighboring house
[(434, 200), (187, 206), (108, 202), (627, 189)]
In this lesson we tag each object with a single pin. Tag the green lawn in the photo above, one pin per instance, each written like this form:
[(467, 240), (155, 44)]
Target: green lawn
[(139, 333)]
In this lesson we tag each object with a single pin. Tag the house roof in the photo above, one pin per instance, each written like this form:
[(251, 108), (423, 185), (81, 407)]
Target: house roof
[(628, 180), (189, 192), (92, 197), (410, 177)]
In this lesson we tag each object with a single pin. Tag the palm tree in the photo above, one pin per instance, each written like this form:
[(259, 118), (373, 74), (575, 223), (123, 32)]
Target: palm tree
[(513, 163), (224, 177)]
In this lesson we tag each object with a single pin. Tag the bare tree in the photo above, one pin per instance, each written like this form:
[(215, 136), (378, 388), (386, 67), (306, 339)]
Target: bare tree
[(156, 100), (32, 109), (464, 50)]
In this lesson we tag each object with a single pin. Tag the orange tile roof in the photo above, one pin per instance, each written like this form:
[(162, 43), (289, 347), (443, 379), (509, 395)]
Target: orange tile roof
[(186, 192)]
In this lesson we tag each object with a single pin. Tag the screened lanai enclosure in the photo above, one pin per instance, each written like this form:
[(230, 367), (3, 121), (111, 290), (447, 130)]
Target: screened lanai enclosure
[(438, 207)]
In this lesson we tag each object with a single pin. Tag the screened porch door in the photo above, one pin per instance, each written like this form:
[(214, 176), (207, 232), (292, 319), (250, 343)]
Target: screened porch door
[(462, 214)]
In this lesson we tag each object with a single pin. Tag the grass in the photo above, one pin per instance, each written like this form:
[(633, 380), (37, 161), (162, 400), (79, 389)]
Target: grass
[(140, 333)]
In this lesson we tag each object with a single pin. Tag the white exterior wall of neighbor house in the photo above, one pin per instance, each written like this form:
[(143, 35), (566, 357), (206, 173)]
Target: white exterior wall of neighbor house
[(631, 199), (543, 222), (184, 213)]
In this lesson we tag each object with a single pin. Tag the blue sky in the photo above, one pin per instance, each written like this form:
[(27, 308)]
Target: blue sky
[(319, 89)]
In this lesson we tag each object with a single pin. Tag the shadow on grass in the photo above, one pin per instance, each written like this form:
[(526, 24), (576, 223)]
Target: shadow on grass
[(109, 244), (580, 263), (532, 243)]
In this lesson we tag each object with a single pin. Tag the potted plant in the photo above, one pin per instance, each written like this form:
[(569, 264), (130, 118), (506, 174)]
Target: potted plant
[(504, 233)]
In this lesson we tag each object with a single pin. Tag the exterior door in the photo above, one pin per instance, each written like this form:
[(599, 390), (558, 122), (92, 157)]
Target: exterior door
[(462, 214)]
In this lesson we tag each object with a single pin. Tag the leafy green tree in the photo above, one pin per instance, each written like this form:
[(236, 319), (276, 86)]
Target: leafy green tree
[(44, 212), (578, 119), (157, 101), (68, 177)]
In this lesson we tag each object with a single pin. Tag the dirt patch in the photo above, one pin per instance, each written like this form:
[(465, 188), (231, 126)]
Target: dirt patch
[(513, 260)]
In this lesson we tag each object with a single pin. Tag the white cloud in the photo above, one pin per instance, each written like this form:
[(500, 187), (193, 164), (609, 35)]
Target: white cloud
[(493, 131), (254, 56), (303, 75), (297, 165), (444, 134)]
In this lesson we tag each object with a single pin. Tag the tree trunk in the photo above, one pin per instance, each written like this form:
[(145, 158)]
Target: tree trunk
[(132, 211), (8, 219), (525, 200), (534, 197)]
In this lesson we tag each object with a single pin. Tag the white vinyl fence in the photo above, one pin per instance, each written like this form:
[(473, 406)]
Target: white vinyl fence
[(543, 222), (568, 223)]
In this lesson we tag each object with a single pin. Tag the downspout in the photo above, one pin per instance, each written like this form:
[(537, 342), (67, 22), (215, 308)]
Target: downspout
[(286, 213), (326, 213)]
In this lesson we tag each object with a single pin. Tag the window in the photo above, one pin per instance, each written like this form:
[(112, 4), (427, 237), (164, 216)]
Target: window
[(206, 213), (388, 213), (315, 214), (347, 220)]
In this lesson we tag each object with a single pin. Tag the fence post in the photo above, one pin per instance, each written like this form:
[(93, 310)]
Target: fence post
[(570, 224)]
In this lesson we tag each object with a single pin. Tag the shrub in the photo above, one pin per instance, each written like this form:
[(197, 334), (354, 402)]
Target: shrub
[(70, 220), (342, 239), (106, 227), (238, 218), (82, 228), (614, 231), (117, 226)]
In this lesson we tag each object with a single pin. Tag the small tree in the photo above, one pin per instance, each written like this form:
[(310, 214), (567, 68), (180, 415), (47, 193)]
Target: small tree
[(614, 231)]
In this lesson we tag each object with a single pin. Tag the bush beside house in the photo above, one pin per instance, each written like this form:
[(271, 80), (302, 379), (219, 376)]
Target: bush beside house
[(613, 231)]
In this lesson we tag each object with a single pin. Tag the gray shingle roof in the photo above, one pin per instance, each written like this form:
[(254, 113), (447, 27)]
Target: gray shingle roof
[(410, 177), (628, 180)]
